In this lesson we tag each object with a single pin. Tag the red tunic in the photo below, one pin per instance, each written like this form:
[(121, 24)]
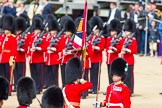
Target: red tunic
[(22, 106), (8, 47), (114, 54), (51, 58), (21, 56), (37, 56), (73, 91), (97, 54), (129, 57), (62, 44), (89, 52), (117, 94)]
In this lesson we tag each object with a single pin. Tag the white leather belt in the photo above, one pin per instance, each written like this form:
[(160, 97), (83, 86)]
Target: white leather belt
[(114, 104)]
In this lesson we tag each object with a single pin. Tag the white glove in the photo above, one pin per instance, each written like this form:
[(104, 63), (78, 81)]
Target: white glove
[(53, 49), (96, 47), (67, 52), (127, 50), (81, 81), (110, 51), (97, 104), (22, 50), (38, 48), (11, 60), (49, 51), (112, 48), (33, 49)]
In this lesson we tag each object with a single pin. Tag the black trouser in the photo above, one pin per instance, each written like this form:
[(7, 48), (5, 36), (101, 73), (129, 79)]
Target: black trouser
[(51, 73), (19, 71), (86, 78), (94, 71), (5, 70), (109, 74), (63, 74), (36, 70), (129, 80)]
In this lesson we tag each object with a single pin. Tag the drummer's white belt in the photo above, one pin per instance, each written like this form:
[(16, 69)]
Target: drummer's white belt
[(114, 104)]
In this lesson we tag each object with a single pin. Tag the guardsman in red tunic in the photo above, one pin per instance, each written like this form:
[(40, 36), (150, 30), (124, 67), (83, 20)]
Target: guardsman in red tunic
[(65, 45), (53, 98), (98, 45), (51, 56), (26, 92), (4, 90), (8, 46), (22, 46), (37, 48), (113, 46), (129, 48), (74, 84), (118, 94)]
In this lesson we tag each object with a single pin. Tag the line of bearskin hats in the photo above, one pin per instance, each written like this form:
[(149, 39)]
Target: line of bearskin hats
[(52, 22), (9, 23), (26, 91), (119, 67), (63, 20), (52, 98), (96, 20), (50, 17), (37, 23), (4, 88), (77, 21), (20, 24), (73, 70), (129, 25), (25, 16), (70, 26), (115, 25)]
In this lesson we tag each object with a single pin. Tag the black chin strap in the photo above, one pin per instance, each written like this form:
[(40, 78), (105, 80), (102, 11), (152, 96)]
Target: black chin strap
[(39, 102)]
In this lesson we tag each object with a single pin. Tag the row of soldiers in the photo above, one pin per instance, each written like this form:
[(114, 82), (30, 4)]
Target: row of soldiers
[(117, 95), (49, 44)]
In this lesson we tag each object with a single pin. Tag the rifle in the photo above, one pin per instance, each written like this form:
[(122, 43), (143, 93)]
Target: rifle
[(69, 44), (129, 41), (39, 39), (53, 42), (97, 40), (90, 35), (116, 41), (21, 41)]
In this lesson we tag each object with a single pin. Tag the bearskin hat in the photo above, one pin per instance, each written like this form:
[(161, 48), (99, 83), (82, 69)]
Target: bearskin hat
[(38, 16), (73, 70), (26, 90), (115, 25), (52, 98), (9, 23), (63, 20), (37, 24), (25, 16), (50, 17), (70, 26), (96, 20), (129, 25), (118, 67), (20, 24), (53, 25), (4, 88)]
